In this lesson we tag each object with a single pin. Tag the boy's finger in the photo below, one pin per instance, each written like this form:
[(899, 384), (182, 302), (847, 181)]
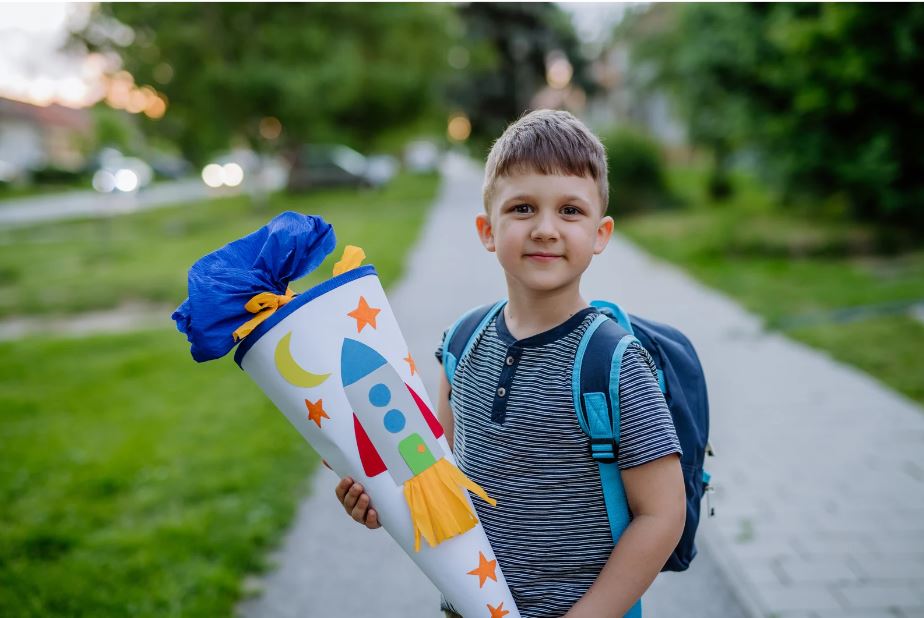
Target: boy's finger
[(372, 519), (342, 488), (359, 511), (352, 497)]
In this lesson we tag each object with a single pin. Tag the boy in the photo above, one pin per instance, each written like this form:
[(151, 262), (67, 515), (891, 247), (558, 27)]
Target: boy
[(509, 415)]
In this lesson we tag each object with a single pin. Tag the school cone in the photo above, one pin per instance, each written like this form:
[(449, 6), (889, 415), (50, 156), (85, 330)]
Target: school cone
[(335, 363)]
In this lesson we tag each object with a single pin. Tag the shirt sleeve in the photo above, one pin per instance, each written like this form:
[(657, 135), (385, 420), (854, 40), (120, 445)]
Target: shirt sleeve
[(439, 350), (646, 429)]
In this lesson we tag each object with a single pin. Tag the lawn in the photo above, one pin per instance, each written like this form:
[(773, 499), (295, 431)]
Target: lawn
[(99, 263), (134, 482), (797, 272)]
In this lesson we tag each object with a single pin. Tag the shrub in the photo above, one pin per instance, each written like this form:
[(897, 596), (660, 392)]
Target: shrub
[(636, 172)]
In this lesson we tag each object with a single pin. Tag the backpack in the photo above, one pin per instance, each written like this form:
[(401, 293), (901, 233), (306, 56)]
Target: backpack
[(595, 388)]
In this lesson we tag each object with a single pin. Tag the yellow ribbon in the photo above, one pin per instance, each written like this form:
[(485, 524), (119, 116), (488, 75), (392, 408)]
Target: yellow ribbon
[(352, 258), (264, 305)]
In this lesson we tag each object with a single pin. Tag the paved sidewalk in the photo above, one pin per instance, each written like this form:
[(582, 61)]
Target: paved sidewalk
[(820, 508)]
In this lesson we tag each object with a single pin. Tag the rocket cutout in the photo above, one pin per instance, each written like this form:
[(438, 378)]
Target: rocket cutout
[(397, 432)]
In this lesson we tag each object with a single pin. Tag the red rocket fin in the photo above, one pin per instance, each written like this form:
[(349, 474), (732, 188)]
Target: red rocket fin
[(370, 458), (434, 424)]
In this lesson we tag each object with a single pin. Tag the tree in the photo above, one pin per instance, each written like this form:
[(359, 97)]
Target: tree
[(829, 95), (513, 40), (344, 72)]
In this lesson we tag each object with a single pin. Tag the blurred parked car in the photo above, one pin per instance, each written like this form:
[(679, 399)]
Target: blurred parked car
[(421, 156), (116, 172), (243, 166), (335, 165), (170, 166)]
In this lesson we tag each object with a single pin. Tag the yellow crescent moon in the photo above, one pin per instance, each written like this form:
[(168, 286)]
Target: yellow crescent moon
[(290, 370)]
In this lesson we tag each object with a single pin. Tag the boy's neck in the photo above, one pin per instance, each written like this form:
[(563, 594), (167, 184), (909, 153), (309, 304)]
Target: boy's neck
[(530, 312)]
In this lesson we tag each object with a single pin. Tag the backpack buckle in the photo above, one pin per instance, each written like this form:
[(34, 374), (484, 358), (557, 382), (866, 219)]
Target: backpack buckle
[(604, 450)]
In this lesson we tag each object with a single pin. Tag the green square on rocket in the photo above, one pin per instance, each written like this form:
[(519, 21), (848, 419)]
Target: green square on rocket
[(415, 453)]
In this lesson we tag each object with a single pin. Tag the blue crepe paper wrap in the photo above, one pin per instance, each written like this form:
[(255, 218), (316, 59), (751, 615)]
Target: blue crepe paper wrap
[(220, 283)]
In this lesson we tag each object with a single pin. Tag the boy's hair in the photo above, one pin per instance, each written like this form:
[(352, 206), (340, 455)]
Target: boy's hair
[(549, 142)]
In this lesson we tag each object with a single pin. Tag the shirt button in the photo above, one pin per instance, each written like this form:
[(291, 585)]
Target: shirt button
[(501, 391), (510, 360)]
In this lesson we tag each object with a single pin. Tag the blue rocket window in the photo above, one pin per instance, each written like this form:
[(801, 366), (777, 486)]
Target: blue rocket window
[(394, 421), (379, 395)]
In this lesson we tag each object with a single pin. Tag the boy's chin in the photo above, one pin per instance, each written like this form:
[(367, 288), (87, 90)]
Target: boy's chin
[(544, 284)]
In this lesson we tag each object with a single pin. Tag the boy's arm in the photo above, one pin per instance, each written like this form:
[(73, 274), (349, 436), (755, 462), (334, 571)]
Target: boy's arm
[(657, 500), (443, 411)]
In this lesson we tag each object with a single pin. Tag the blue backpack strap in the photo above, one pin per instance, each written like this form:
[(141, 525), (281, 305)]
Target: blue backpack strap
[(595, 388), (462, 334), (614, 311)]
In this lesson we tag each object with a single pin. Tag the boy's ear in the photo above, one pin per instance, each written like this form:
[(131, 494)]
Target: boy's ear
[(485, 231), (604, 232)]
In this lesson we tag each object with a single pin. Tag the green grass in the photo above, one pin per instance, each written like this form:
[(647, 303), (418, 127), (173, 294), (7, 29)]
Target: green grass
[(86, 265), (132, 481), (785, 265)]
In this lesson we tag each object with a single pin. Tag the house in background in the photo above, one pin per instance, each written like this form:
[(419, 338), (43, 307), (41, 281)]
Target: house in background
[(33, 137)]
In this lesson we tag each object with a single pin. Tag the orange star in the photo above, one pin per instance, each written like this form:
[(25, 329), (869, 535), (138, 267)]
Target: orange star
[(485, 570), (498, 612), (364, 314), (316, 411), (410, 361)]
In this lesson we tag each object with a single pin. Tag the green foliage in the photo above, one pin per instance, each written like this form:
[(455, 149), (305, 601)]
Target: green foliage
[(98, 264), (636, 172), (328, 72), (508, 45), (828, 95), (116, 129)]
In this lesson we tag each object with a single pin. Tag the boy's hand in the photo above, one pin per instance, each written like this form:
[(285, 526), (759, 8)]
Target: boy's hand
[(356, 502)]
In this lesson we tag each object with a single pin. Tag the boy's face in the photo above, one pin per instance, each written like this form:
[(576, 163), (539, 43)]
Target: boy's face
[(544, 228)]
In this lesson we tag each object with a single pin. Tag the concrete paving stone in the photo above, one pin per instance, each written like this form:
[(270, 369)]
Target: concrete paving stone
[(763, 551), (891, 543), (821, 569), (878, 567), (798, 597), (764, 572), (911, 612), (821, 543), (851, 613), (869, 595)]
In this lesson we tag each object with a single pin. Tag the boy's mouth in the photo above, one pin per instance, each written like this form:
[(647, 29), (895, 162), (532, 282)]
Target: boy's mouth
[(543, 257)]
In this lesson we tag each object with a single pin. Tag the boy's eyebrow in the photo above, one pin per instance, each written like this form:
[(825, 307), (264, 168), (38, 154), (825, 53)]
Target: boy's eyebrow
[(523, 197)]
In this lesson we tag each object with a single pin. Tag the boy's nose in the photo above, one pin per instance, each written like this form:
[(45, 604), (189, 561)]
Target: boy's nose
[(545, 228)]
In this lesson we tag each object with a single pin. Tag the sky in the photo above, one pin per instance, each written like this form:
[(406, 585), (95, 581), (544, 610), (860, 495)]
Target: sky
[(32, 68)]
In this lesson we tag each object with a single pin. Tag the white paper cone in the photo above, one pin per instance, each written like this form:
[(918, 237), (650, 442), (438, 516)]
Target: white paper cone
[(336, 361)]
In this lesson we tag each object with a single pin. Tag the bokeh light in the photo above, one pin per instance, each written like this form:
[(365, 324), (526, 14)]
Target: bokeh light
[(104, 181), (460, 127), (232, 174), (126, 180), (213, 175), (270, 127), (558, 71)]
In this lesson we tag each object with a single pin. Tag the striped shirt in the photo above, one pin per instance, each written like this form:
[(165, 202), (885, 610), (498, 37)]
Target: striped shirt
[(517, 435)]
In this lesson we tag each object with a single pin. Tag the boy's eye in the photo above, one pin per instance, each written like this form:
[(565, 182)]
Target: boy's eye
[(570, 210), (522, 208)]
